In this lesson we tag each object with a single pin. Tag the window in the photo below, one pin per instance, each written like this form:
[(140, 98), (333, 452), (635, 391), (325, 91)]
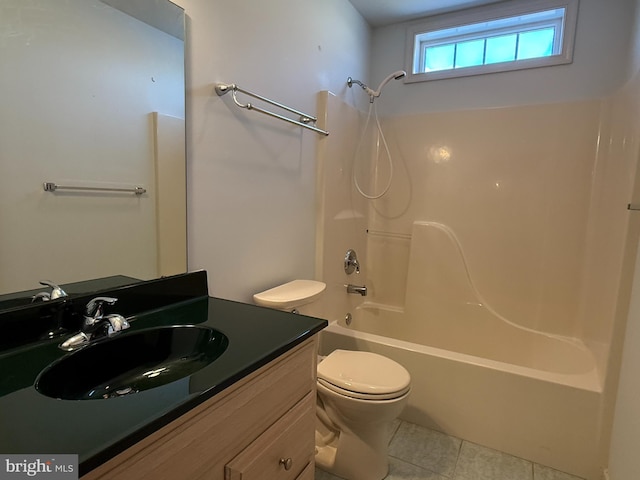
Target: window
[(509, 36)]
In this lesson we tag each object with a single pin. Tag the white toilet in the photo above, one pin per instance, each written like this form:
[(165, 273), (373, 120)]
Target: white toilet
[(360, 394)]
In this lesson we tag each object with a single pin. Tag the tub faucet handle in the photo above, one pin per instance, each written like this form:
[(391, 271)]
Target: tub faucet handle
[(351, 263)]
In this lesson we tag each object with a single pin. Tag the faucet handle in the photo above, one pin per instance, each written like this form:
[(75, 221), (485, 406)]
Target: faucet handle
[(95, 308), (56, 291), (116, 323)]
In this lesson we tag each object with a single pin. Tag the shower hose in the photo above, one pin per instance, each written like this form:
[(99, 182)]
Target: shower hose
[(372, 107)]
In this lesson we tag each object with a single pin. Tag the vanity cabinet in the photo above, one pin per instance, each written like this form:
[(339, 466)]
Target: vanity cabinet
[(282, 451), (261, 427)]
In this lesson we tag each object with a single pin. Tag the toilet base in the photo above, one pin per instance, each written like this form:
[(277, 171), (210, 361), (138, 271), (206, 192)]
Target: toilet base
[(351, 457)]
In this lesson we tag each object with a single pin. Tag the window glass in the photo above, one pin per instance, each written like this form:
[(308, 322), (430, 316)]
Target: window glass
[(501, 49), (439, 58), (470, 54), (537, 43)]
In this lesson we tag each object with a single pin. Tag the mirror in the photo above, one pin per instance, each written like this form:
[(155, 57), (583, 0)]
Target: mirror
[(93, 96)]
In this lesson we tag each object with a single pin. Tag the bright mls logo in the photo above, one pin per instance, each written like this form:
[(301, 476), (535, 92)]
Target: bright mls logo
[(50, 467)]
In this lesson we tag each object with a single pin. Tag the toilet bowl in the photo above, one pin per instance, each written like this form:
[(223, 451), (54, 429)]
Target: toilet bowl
[(359, 396)]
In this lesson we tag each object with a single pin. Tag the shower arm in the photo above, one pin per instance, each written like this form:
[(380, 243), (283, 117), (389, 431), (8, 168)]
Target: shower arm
[(371, 93), (351, 81)]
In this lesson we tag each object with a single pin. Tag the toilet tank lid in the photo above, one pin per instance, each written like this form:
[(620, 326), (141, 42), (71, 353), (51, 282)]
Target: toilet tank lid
[(363, 372), (290, 295)]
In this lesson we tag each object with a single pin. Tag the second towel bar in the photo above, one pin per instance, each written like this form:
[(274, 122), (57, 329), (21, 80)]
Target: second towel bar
[(52, 187), (304, 121)]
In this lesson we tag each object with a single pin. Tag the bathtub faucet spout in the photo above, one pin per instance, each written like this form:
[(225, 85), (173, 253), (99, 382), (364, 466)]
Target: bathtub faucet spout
[(362, 290)]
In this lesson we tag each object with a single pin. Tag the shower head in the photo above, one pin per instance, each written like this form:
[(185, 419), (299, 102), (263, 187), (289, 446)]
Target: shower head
[(394, 76)]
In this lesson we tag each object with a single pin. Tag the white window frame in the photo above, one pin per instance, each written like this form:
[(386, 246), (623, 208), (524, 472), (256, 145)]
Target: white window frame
[(414, 45)]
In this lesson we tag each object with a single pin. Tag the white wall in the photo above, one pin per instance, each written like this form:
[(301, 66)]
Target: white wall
[(251, 195), (599, 67)]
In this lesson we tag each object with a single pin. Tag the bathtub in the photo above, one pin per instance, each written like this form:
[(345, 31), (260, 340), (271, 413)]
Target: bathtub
[(532, 395)]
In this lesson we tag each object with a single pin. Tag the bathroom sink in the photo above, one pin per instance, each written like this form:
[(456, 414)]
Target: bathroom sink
[(131, 362)]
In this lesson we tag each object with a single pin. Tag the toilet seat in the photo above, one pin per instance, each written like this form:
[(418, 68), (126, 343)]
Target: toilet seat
[(363, 375), (362, 396)]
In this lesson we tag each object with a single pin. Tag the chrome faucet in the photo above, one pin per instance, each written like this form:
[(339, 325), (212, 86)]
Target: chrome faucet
[(360, 289), (56, 292), (96, 324), (94, 317)]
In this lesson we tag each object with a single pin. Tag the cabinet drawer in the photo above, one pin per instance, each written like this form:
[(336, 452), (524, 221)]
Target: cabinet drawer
[(283, 451)]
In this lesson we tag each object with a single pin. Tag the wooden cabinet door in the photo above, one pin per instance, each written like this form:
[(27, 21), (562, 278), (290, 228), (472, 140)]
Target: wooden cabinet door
[(283, 451)]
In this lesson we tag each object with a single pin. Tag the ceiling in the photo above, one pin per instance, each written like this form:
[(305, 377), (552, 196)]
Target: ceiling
[(385, 12)]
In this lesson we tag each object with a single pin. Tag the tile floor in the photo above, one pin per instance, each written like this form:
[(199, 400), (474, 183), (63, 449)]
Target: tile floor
[(417, 453)]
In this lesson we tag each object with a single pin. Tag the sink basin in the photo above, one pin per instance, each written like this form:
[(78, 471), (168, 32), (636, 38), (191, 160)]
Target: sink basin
[(131, 362)]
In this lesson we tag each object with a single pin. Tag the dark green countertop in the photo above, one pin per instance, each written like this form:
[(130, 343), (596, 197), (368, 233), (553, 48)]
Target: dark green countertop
[(97, 430)]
